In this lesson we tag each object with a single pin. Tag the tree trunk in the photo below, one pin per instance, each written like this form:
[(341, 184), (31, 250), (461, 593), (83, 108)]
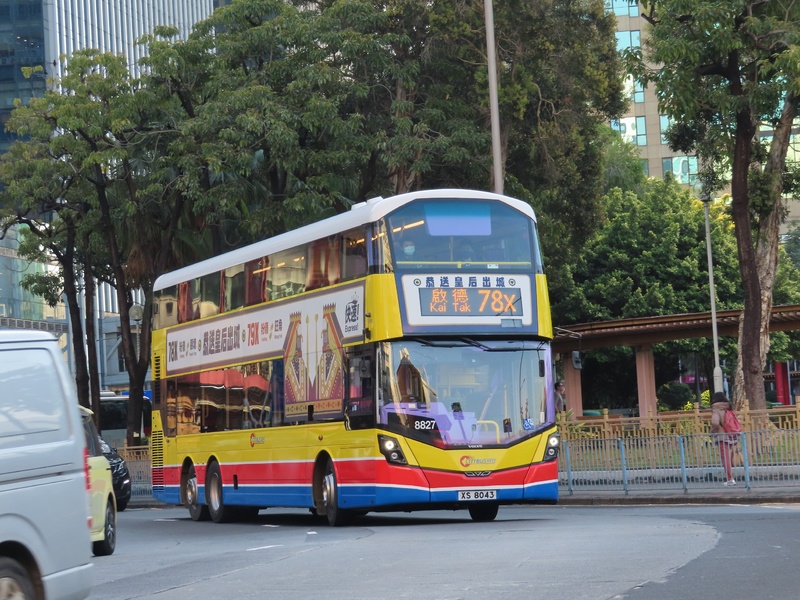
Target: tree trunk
[(90, 296), (127, 345), (74, 309), (751, 388), (768, 244)]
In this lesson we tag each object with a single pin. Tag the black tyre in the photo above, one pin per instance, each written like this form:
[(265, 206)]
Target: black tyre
[(484, 511), (15, 583), (121, 505), (191, 494), (216, 506), (106, 546), (330, 497)]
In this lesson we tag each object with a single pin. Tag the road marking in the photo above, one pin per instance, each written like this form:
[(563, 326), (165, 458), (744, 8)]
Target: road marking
[(264, 547)]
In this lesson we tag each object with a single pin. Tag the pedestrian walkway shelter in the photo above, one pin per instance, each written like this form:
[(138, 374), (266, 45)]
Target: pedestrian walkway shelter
[(641, 334)]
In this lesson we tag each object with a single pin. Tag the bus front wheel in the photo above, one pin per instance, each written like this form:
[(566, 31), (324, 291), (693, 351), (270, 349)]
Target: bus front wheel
[(197, 511), (483, 511), (330, 497)]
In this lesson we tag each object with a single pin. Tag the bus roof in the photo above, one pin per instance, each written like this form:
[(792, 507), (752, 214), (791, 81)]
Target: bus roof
[(359, 214)]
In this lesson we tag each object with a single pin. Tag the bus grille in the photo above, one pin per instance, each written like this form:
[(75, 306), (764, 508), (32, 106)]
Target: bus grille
[(157, 458), (156, 380)]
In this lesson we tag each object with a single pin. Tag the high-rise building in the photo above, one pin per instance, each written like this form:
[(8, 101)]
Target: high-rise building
[(644, 125), (37, 33)]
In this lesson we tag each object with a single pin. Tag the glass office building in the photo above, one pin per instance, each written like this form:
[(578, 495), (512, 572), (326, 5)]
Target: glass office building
[(36, 33)]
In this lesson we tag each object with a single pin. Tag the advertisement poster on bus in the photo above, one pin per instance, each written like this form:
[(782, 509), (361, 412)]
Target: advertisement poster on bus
[(308, 333)]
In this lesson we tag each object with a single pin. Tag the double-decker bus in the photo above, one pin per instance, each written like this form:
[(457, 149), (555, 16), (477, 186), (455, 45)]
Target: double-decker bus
[(395, 357)]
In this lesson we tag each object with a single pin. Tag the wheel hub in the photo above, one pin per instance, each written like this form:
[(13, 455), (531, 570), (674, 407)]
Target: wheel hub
[(327, 489), (191, 491)]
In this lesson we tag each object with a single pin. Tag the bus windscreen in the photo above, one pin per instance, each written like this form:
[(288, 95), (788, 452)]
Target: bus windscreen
[(477, 234)]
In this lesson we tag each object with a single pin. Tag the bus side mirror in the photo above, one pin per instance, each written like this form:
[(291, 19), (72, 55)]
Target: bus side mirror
[(576, 360)]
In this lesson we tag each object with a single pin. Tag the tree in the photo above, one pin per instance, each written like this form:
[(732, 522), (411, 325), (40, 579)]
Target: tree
[(104, 140), (723, 69), (42, 196), (273, 114), (663, 226)]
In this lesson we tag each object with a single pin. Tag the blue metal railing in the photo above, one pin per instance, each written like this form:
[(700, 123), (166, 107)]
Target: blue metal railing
[(679, 462), (686, 462)]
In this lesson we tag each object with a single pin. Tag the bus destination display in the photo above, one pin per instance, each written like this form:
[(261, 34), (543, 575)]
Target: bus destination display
[(444, 299), (465, 301)]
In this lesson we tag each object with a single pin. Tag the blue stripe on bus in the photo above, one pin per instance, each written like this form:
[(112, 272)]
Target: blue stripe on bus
[(359, 496)]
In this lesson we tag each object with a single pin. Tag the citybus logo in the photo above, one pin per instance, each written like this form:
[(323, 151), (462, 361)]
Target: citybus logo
[(255, 439), (471, 461)]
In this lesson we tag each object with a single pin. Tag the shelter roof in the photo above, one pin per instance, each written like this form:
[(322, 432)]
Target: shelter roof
[(652, 330)]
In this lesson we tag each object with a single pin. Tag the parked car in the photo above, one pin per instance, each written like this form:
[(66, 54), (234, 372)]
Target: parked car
[(44, 483), (104, 504), (120, 475)]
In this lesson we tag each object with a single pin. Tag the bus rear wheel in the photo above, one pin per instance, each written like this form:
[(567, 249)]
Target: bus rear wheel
[(216, 507), (485, 511), (197, 511)]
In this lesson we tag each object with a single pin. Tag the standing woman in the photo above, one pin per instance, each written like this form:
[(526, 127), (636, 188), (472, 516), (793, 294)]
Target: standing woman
[(559, 397), (719, 406)]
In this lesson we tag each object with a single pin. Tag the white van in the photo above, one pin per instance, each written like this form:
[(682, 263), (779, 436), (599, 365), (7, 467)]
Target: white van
[(45, 547)]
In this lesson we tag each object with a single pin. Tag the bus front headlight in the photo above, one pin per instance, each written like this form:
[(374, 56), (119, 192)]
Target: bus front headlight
[(553, 443), (390, 448)]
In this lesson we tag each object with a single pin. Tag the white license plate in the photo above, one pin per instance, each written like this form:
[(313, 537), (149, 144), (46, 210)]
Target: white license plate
[(477, 495)]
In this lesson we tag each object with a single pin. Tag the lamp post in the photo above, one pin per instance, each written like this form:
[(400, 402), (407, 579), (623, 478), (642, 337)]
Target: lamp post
[(705, 198), (494, 104), (136, 312)]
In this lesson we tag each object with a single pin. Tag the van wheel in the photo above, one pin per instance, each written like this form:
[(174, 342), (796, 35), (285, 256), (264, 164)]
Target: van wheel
[(216, 507), (106, 546), (197, 511), (14, 580), (484, 511)]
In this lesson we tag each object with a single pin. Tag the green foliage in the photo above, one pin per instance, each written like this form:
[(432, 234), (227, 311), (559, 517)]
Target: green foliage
[(622, 163), (674, 395), (664, 229), (725, 69), (273, 114), (791, 245), (47, 286)]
